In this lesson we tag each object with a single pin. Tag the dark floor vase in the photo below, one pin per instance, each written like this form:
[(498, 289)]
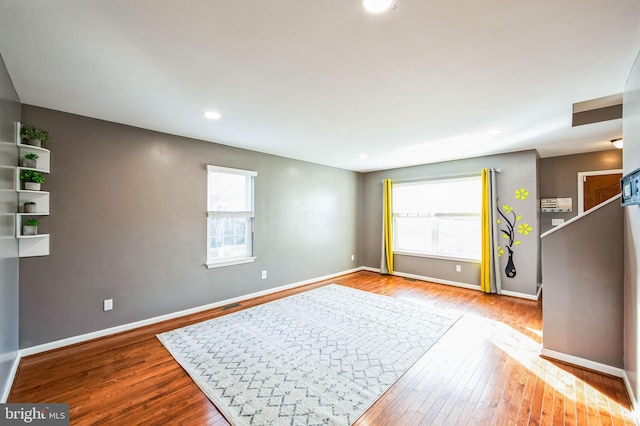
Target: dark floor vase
[(510, 270)]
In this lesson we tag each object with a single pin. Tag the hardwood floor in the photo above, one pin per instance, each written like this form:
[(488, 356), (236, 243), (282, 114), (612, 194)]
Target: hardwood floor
[(486, 370)]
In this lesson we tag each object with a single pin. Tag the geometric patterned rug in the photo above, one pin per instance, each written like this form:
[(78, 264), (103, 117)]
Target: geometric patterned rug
[(321, 357)]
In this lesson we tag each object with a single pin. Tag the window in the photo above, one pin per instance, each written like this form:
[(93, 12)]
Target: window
[(438, 218), (230, 216)]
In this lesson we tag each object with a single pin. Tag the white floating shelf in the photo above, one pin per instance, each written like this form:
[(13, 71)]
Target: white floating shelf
[(26, 147), (31, 245), (23, 237)]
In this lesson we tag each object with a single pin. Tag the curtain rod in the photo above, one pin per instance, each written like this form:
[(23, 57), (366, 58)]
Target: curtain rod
[(453, 176)]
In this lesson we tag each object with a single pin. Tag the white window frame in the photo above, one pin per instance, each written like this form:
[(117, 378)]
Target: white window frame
[(443, 256), (250, 214)]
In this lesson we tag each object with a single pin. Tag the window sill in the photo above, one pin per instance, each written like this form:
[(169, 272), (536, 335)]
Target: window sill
[(230, 262), (435, 256)]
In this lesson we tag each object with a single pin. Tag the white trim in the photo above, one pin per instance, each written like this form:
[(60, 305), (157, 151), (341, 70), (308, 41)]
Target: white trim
[(230, 262), (436, 256), (218, 169), (539, 292), (221, 213), (12, 375), (456, 283), (130, 326), (585, 363), (632, 397), (582, 175), (580, 216), (520, 295), (438, 281)]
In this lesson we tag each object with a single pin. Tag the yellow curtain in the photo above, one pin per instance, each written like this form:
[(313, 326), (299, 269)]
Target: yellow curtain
[(485, 265), (388, 225)]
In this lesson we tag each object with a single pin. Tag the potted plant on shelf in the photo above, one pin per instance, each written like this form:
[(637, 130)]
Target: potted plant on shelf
[(29, 160), (32, 179), (29, 207), (30, 227), (34, 136)]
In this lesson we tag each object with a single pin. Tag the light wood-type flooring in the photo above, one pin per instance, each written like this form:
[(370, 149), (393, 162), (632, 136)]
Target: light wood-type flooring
[(485, 370)]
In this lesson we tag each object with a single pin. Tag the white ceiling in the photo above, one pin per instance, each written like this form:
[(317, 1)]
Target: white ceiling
[(323, 81)]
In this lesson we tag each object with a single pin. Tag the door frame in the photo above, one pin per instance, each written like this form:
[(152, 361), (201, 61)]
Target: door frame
[(582, 175)]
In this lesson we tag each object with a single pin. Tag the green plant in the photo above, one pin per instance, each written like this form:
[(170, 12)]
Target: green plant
[(31, 176), (30, 132), (32, 222), (31, 156), (29, 202)]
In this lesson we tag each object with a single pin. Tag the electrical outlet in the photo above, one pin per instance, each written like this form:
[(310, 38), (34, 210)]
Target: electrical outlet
[(458, 268), (107, 304), (353, 257), (556, 222), (264, 275)]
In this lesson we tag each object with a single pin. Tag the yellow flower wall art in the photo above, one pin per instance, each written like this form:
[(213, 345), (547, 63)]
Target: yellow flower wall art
[(524, 229), (522, 194), (510, 220)]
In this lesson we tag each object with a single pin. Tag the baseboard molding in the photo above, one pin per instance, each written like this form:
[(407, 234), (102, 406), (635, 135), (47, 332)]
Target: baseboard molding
[(632, 397), (456, 283), (520, 295), (438, 281), (582, 362), (32, 350), (539, 292), (12, 375)]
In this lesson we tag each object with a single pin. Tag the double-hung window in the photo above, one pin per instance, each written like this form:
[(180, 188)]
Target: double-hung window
[(439, 218), (230, 216)]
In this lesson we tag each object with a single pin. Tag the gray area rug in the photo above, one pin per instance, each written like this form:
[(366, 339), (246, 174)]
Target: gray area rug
[(321, 357)]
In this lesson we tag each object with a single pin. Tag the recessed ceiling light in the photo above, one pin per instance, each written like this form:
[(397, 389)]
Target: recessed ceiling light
[(212, 115), (363, 156), (617, 143), (496, 131), (378, 6)]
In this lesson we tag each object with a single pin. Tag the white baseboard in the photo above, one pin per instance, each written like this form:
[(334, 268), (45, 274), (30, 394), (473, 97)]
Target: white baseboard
[(520, 295), (582, 362), (32, 350), (438, 281), (456, 283), (602, 368), (12, 375), (632, 397)]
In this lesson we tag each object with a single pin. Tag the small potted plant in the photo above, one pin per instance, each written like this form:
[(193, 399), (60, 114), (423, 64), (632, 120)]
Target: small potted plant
[(30, 207), (30, 227), (34, 136), (32, 179), (29, 160)]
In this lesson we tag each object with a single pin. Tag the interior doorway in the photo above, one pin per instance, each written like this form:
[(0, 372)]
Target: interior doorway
[(596, 187)]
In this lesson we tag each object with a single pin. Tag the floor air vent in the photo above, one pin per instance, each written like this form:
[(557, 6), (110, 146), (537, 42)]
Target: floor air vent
[(231, 306)]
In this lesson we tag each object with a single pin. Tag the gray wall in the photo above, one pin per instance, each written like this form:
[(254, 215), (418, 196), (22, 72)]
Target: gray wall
[(9, 114), (582, 267), (559, 178), (128, 222), (631, 161), (518, 171)]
